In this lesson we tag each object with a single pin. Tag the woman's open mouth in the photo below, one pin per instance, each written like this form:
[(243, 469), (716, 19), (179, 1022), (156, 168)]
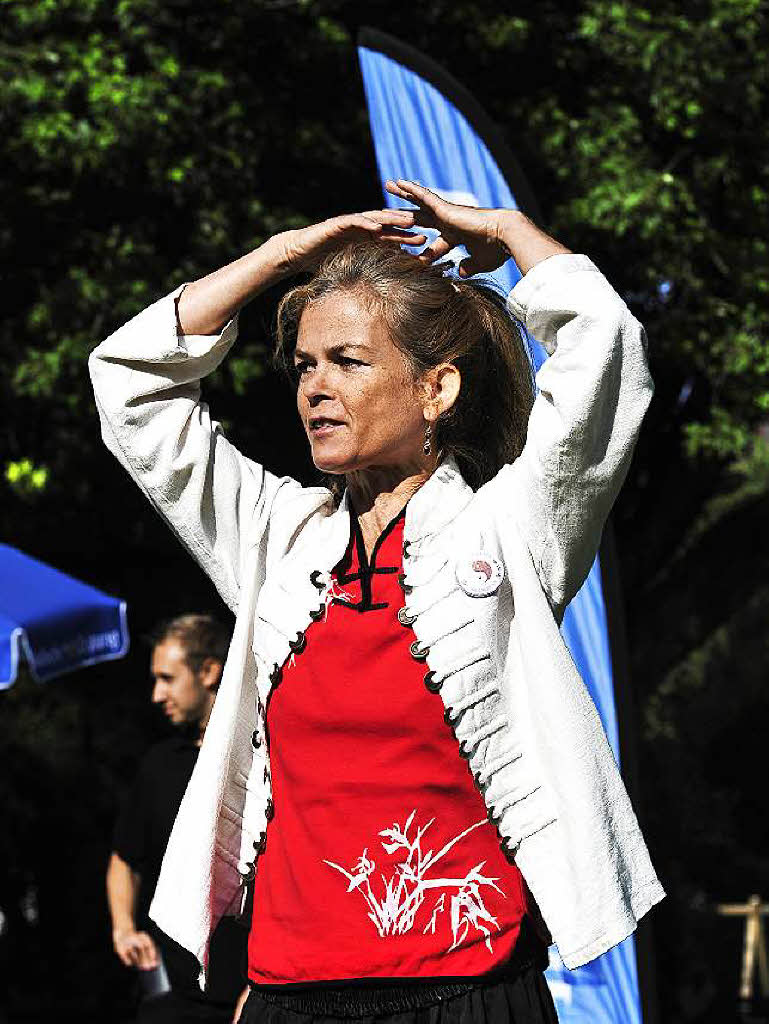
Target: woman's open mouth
[(321, 426)]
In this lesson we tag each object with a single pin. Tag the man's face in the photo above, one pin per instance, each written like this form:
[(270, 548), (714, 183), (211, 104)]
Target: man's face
[(176, 687)]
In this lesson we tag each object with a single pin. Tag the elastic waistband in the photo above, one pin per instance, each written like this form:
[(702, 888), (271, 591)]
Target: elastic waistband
[(362, 1001), (362, 998)]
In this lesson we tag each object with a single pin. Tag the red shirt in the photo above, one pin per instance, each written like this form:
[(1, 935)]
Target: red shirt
[(380, 861)]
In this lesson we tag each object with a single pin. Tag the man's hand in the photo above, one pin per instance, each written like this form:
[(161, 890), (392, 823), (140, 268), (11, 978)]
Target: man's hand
[(135, 949)]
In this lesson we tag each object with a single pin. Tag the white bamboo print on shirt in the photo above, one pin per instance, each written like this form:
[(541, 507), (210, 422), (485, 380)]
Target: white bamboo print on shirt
[(394, 912)]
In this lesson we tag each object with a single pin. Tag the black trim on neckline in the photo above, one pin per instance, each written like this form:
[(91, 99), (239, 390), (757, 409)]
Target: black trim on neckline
[(377, 570), (367, 567), (359, 606), (383, 535)]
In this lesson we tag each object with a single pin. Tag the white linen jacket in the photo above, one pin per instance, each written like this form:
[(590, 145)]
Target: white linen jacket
[(520, 711)]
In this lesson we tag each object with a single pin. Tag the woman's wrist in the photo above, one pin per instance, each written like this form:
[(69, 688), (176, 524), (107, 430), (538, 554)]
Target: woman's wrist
[(504, 227), (508, 222), (207, 304), (524, 241), (280, 253)]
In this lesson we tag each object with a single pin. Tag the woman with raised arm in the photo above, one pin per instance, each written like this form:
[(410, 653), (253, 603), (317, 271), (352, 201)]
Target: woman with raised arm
[(403, 767)]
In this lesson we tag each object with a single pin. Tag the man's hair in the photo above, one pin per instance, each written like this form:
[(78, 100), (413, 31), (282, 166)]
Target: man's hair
[(200, 636)]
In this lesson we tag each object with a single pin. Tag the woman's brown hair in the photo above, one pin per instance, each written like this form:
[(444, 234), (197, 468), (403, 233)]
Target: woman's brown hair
[(433, 318)]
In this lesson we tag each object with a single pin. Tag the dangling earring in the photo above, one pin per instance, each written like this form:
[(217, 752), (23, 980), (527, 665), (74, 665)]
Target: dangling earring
[(427, 446)]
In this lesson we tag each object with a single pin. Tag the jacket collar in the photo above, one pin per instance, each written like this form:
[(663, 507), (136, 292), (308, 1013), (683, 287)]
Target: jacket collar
[(438, 502), (435, 505)]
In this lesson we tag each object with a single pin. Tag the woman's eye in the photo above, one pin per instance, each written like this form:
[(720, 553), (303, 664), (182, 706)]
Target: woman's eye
[(302, 367)]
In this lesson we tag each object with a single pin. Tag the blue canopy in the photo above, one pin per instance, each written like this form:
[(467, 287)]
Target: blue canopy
[(59, 623)]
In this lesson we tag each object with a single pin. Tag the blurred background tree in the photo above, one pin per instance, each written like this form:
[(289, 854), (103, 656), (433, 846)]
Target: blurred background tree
[(146, 143)]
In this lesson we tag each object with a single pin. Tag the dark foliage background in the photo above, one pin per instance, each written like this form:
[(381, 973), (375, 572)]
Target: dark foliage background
[(146, 143)]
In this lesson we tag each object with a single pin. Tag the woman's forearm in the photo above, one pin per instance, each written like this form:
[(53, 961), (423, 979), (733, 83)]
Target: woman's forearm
[(526, 243), (207, 304)]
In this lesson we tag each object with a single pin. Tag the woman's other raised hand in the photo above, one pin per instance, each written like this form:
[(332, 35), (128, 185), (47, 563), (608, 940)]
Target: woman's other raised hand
[(478, 230), (490, 236)]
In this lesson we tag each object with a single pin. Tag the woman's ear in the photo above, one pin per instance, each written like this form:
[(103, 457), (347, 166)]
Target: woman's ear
[(442, 390)]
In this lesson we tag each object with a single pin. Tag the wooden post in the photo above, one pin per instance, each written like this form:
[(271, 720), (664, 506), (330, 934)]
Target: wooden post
[(753, 944)]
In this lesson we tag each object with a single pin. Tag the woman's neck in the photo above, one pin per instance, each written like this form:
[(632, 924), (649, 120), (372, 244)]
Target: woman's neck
[(377, 495)]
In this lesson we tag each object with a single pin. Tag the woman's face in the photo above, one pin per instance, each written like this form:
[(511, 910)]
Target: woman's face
[(357, 396)]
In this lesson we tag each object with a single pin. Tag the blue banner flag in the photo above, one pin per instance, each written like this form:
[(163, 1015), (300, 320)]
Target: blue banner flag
[(427, 128)]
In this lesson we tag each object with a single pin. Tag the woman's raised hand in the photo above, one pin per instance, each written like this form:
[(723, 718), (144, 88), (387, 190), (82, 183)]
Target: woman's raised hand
[(304, 248), (479, 230), (207, 304)]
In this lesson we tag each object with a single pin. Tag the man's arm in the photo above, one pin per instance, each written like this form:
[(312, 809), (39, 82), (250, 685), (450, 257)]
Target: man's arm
[(135, 948), (240, 1004)]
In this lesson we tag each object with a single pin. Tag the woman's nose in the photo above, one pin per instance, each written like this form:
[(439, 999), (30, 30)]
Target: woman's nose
[(317, 386)]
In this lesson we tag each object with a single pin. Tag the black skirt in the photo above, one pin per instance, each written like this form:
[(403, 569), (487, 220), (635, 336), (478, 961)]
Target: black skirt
[(520, 998)]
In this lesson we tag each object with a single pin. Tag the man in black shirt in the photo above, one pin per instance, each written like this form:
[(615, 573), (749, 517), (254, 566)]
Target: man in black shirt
[(188, 655)]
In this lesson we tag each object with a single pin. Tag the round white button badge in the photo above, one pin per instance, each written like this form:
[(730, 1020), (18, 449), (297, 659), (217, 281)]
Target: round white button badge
[(480, 575)]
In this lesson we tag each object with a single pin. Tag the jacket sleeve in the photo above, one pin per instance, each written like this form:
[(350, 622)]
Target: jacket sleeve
[(146, 379), (592, 394)]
